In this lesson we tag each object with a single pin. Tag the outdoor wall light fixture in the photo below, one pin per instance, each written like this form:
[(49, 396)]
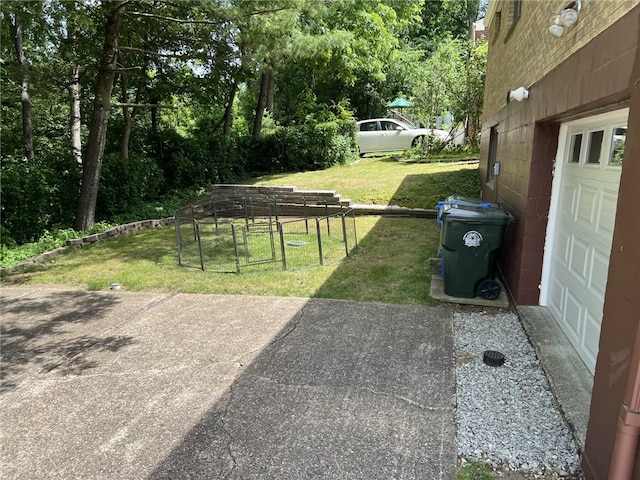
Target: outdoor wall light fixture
[(519, 94), (565, 18)]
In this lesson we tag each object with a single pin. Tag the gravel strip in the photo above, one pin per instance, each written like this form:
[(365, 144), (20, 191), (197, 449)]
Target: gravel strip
[(506, 415)]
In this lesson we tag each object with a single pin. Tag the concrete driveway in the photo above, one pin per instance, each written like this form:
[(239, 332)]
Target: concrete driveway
[(111, 384)]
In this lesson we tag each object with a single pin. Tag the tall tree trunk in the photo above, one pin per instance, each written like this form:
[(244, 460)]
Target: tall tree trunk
[(100, 116), (262, 100), (128, 121), (75, 121), (270, 91), (25, 98), (226, 119), (130, 115)]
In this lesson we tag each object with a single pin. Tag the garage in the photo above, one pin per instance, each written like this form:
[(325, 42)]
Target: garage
[(580, 229)]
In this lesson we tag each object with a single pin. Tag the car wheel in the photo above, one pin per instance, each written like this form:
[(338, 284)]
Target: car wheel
[(419, 142)]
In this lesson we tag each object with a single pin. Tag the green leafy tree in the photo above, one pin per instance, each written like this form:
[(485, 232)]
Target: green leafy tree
[(113, 13), (345, 52), (452, 81), (445, 18)]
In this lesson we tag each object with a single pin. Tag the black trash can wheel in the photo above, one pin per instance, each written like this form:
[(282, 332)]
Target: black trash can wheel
[(489, 289)]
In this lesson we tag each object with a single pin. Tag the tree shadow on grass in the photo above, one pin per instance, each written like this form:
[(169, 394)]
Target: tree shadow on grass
[(391, 262)]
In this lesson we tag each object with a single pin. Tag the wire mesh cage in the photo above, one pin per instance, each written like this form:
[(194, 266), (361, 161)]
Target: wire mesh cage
[(247, 231), (299, 244)]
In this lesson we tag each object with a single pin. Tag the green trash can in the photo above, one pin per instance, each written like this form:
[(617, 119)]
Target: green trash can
[(472, 234)]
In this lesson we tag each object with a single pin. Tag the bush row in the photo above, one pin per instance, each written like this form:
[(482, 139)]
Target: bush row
[(42, 194)]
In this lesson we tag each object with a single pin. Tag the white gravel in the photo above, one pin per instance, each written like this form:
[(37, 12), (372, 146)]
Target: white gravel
[(506, 415)]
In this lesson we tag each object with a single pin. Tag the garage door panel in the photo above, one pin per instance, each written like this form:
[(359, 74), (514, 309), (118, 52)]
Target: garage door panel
[(567, 202), (563, 253), (587, 204), (573, 317), (579, 258), (607, 217), (598, 273)]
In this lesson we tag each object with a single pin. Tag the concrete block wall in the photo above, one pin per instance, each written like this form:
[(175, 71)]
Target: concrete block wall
[(522, 51)]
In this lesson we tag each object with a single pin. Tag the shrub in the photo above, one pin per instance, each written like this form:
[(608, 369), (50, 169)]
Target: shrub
[(331, 143), (226, 163), (37, 195), (311, 146), (126, 184)]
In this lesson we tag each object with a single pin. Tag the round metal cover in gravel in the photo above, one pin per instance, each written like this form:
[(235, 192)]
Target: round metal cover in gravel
[(493, 358)]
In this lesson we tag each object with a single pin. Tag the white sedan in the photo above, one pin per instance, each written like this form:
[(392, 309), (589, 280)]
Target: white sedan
[(388, 134)]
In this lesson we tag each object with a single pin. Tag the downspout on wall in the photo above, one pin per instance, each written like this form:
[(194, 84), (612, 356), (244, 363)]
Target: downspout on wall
[(625, 447)]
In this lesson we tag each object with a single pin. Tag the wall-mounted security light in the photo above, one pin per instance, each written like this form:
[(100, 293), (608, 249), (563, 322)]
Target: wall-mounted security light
[(565, 18), (519, 94)]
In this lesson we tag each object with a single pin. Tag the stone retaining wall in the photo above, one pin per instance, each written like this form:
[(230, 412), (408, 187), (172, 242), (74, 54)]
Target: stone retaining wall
[(96, 237)]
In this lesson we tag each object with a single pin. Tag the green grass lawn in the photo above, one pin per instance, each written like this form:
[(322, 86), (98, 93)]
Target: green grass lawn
[(390, 263), (384, 181)]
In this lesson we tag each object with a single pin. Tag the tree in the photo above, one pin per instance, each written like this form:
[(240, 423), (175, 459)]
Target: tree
[(468, 105), (16, 25), (344, 51), (263, 31), (445, 18), (70, 27), (452, 81), (114, 11)]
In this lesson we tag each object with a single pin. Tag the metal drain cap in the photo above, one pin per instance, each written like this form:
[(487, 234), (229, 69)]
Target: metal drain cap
[(493, 358)]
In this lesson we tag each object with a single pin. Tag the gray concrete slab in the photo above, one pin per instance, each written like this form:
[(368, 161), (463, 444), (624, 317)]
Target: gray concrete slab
[(42, 328), (206, 386), (568, 376), (436, 291)]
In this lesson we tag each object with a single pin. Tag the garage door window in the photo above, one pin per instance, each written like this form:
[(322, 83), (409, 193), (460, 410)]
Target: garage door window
[(576, 147), (595, 146), (604, 147), (616, 152)]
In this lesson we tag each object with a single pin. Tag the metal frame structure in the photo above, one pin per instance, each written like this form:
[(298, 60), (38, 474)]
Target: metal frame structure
[(250, 223)]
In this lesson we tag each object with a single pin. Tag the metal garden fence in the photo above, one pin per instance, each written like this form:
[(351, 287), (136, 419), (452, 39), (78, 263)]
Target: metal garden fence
[(248, 232)]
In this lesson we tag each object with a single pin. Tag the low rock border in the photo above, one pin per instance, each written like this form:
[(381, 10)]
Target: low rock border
[(90, 239)]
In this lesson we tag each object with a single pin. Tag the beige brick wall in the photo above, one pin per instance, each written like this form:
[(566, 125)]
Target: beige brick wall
[(522, 50)]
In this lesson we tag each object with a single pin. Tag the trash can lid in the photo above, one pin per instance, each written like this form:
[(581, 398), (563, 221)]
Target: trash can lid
[(462, 202), (494, 214)]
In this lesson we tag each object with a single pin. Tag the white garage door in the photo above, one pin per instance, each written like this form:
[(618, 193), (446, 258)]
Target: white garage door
[(580, 231)]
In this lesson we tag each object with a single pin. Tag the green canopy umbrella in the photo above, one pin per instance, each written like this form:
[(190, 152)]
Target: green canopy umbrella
[(400, 103)]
